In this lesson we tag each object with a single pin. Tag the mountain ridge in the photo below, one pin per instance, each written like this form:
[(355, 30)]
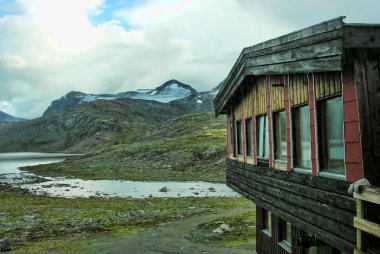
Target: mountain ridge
[(7, 118), (168, 91), (99, 122)]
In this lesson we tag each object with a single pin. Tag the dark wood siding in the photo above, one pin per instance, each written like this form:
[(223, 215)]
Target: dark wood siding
[(316, 205), (367, 77), (268, 244)]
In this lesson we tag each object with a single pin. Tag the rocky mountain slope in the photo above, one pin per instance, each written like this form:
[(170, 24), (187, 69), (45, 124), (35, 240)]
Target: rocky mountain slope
[(201, 102), (169, 91), (101, 122), (6, 118)]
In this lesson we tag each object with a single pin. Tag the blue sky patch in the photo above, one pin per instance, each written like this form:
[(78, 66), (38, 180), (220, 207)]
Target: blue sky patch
[(10, 7), (109, 9)]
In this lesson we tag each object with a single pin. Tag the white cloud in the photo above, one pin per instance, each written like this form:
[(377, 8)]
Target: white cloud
[(54, 48)]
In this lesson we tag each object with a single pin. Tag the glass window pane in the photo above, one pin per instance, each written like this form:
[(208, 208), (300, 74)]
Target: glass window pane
[(302, 137), (239, 138), (288, 233), (260, 133), (269, 222), (248, 136), (262, 137), (266, 138), (280, 145), (232, 138), (333, 129)]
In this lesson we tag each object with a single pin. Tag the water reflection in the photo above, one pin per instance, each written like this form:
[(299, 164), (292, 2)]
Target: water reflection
[(70, 188)]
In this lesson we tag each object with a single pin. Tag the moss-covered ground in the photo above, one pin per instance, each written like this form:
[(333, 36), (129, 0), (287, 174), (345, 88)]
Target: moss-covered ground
[(189, 147), (40, 224)]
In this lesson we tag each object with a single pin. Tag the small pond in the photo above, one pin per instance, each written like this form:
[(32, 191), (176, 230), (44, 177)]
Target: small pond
[(71, 188)]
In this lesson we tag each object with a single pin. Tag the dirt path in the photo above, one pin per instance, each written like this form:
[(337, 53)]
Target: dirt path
[(171, 237)]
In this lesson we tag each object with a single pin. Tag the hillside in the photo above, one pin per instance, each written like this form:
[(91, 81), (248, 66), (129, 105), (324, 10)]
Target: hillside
[(102, 122), (188, 147), (6, 118)]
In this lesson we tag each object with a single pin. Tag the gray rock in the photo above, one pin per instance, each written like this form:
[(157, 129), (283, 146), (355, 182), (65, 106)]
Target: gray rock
[(5, 245), (212, 236), (225, 227), (29, 218), (212, 189), (164, 189)]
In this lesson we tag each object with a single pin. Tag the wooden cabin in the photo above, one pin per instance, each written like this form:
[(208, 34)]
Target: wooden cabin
[(303, 122)]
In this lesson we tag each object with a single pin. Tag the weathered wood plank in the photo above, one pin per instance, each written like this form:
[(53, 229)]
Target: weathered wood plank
[(324, 49), (369, 194), (294, 198), (325, 64), (361, 36), (314, 39), (367, 226), (347, 232), (319, 183), (326, 236), (323, 27)]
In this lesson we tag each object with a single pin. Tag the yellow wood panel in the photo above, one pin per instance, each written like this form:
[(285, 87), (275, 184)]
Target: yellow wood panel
[(369, 194), (238, 107), (277, 92), (260, 96), (248, 101), (298, 89), (367, 226), (327, 84)]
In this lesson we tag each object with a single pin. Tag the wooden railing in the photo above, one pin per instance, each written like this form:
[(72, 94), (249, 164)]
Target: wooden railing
[(372, 195)]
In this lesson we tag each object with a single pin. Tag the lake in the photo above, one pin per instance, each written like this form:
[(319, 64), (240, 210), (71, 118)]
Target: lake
[(72, 188)]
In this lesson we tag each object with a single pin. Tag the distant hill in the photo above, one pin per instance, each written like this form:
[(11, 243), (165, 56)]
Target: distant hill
[(101, 122), (6, 118), (169, 91)]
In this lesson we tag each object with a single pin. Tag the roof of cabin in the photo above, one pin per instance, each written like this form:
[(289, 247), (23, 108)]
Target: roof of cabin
[(318, 48)]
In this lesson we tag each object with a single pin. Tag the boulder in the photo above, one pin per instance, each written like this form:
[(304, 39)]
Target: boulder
[(5, 245)]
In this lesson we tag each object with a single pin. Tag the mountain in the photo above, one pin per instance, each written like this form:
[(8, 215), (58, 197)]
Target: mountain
[(201, 102), (99, 123), (5, 118), (169, 91)]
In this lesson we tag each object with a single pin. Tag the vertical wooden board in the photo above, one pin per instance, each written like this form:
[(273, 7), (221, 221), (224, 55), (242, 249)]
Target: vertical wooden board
[(277, 92), (260, 96), (327, 84), (299, 89)]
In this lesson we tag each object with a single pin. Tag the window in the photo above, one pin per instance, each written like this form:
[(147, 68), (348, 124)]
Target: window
[(232, 140), (248, 136), (285, 232), (267, 220), (330, 116), (280, 146), (262, 137), (301, 136), (239, 138)]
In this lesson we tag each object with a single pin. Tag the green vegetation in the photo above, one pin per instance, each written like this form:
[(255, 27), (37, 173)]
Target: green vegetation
[(241, 230), (189, 147), (40, 224)]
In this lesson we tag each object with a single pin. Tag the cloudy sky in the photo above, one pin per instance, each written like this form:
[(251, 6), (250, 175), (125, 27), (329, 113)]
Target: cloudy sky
[(51, 47)]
